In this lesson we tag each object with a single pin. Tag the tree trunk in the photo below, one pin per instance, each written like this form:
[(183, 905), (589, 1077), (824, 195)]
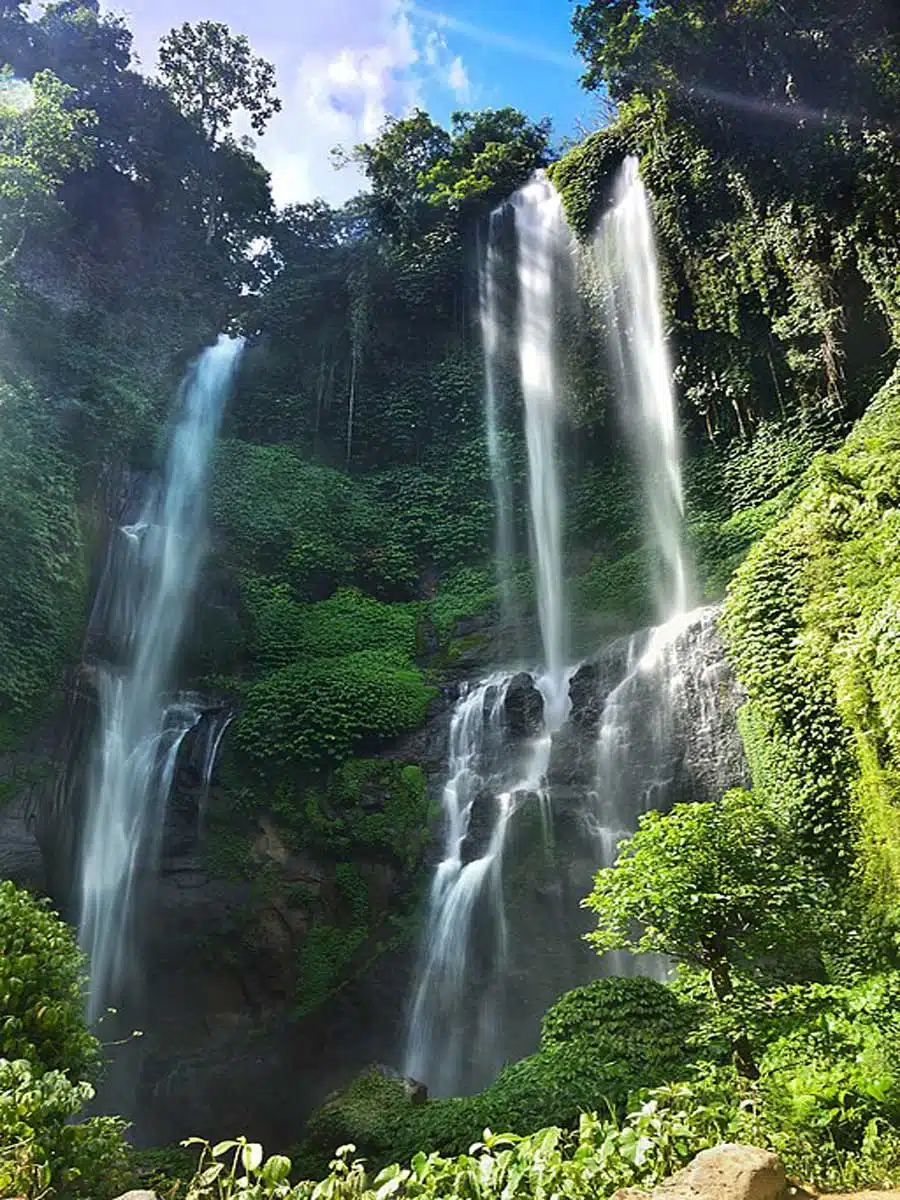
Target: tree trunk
[(351, 405), (720, 979)]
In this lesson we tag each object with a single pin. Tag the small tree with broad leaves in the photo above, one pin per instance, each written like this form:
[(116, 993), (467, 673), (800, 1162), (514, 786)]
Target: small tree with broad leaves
[(712, 885)]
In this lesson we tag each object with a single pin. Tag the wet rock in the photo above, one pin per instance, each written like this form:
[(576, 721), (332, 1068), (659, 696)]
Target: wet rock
[(523, 708), (20, 854), (482, 819), (416, 1092)]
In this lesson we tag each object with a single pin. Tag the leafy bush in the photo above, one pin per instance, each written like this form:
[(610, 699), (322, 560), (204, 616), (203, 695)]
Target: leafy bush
[(618, 1008), (661, 1130), (664, 1129), (47, 1057), (41, 1152), (42, 989), (310, 526), (323, 709), (594, 1055), (443, 511), (465, 592), (43, 582), (285, 631), (370, 803), (618, 587)]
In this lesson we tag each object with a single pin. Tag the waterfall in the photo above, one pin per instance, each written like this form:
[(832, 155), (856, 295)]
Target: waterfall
[(636, 764), (625, 256), (490, 320), (496, 776), (215, 735), (543, 239), (548, 771), (151, 575), (439, 1017)]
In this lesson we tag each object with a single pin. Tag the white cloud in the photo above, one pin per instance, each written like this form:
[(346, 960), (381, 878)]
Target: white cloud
[(370, 59), (342, 65), (458, 79)]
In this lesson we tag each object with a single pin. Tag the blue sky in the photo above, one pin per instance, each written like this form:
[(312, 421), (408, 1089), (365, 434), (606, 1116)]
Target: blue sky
[(343, 64)]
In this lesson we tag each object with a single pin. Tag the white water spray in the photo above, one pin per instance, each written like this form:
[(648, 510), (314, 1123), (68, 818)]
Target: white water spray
[(455, 1038), (544, 241), (157, 565), (625, 255)]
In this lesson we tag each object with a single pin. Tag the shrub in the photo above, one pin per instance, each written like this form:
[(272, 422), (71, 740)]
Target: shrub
[(311, 526), (43, 582), (320, 711), (285, 631), (370, 803), (809, 621), (41, 1152), (618, 1008), (619, 587), (42, 989)]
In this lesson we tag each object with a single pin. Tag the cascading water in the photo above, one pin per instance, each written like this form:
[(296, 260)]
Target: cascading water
[(626, 260), (453, 1039), (638, 717), (543, 242), (439, 1016), (490, 320), (145, 596), (215, 735), (548, 771), (497, 774)]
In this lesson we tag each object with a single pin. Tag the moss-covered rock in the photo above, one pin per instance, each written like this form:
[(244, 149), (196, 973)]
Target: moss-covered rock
[(811, 623)]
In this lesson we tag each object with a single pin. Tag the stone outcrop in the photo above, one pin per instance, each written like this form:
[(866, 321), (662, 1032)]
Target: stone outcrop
[(725, 1172), (523, 708)]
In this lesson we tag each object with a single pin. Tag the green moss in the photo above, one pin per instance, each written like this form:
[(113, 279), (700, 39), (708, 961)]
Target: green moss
[(321, 710), (370, 803), (811, 621), (284, 631)]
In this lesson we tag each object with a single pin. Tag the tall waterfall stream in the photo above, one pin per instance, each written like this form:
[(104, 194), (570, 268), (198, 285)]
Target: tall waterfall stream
[(144, 599), (526, 820)]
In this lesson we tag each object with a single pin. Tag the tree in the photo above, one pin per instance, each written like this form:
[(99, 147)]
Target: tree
[(212, 74), (806, 61), (42, 138), (491, 154), (711, 885), (404, 150)]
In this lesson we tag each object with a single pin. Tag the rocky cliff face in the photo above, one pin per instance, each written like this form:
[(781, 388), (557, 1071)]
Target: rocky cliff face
[(226, 1046)]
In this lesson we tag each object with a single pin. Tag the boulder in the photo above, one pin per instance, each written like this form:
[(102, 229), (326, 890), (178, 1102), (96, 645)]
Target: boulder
[(138, 1195), (725, 1172), (523, 707)]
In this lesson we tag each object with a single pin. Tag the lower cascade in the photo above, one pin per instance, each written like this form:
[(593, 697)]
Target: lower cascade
[(531, 811)]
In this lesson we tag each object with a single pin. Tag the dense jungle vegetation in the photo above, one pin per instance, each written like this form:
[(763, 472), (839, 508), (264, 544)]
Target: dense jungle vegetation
[(353, 519)]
